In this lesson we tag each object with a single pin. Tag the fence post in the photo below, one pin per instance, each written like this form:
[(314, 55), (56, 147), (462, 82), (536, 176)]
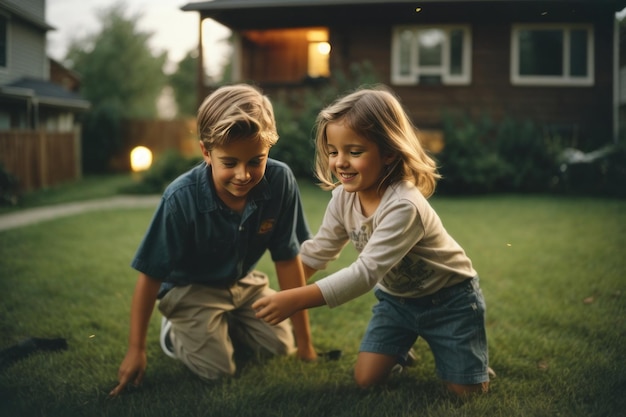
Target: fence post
[(78, 153), (43, 159)]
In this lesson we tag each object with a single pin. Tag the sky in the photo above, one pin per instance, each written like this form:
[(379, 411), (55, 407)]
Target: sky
[(173, 30)]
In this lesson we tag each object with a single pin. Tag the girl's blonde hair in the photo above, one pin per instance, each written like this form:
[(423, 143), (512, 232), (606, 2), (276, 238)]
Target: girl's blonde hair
[(236, 112), (377, 115)]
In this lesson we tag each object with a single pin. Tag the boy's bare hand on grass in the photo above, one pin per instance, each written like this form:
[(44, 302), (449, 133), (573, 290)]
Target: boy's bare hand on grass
[(131, 371)]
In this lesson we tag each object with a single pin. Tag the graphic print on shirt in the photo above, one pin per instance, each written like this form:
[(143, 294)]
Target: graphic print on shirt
[(409, 275), (360, 237), (266, 226)]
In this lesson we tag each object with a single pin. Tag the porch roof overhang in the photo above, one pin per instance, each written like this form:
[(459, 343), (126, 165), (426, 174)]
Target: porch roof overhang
[(242, 14), (43, 93)]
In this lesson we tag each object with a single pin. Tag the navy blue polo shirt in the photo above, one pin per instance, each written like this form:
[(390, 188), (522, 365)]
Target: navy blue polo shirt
[(195, 238)]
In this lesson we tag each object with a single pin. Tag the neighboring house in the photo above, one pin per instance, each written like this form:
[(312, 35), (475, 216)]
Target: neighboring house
[(29, 98), (40, 142), (553, 62)]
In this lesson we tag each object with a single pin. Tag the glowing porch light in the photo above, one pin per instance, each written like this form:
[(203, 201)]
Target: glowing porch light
[(140, 159), (323, 48)]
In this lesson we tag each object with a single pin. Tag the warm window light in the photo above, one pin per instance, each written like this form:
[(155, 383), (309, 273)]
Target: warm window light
[(140, 159)]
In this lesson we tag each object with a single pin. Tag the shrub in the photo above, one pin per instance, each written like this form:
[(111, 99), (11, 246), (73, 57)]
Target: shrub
[(9, 188), (469, 163), (531, 153), (101, 136), (296, 114), (512, 156), (166, 168)]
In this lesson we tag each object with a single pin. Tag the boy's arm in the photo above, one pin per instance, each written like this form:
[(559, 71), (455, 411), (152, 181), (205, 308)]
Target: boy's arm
[(290, 275), (134, 364)]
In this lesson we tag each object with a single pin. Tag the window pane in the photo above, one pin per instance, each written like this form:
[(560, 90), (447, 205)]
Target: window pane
[(318, 65), (456, 52), (541, 52), (430, 47), (578, 53), (404, 60)]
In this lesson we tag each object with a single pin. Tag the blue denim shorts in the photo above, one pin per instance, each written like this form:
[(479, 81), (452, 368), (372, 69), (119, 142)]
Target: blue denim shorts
[(451, 321)]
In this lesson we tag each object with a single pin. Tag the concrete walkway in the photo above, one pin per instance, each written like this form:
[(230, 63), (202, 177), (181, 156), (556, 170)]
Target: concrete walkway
[(40, 214)]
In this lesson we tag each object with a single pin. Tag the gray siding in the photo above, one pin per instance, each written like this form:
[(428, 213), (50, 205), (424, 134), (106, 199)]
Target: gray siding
[(26, 53)]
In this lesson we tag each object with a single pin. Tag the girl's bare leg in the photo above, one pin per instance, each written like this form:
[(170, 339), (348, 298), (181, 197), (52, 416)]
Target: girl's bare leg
[(373, 368)]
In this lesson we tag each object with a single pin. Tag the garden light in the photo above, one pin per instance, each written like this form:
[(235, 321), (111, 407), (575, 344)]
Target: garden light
[(140, 158)]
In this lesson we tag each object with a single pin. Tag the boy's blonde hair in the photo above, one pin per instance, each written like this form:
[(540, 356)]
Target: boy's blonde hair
[(236, 112), (377, 115)]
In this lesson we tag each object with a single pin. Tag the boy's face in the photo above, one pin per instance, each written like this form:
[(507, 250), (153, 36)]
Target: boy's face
[(237, 168)]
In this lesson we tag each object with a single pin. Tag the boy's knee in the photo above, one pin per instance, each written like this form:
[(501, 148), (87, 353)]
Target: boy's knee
[(208, 366)]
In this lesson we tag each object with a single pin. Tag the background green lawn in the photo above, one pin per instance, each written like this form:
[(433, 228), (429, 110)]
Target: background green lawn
[(552, 271)]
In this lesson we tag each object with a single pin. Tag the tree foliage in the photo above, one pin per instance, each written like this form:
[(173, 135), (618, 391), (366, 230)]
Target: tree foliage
[(120, 76), (117, 66), (184, 82)]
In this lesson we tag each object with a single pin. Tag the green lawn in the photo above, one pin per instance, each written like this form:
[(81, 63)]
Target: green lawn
[(552, 270), (89, 187)]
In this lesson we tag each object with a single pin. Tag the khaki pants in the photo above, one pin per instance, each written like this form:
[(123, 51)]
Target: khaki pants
[(204, 318)]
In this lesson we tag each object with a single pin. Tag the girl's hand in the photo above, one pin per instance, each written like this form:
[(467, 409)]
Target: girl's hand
[(274, 308)]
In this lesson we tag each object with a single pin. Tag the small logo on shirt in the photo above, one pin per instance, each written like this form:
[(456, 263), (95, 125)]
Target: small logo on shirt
[(266, 226)]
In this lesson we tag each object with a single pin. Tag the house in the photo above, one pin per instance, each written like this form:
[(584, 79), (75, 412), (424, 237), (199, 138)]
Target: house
[(553, 62), (29, 99), (39, 134)]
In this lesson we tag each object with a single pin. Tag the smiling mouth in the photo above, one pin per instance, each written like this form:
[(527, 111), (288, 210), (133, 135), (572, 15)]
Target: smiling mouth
[(347, 176)]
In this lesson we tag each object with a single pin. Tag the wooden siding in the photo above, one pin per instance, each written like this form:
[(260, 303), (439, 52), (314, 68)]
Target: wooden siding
[(583, 113), (41, 159), (576, 112)]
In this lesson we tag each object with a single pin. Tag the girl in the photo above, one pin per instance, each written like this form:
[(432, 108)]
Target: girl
[(368, 152)]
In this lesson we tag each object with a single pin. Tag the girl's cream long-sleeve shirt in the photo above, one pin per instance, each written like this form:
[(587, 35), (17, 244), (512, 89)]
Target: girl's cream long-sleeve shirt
[(403, 247)]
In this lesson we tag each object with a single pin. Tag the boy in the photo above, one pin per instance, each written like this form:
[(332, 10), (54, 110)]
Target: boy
[(212, 226)]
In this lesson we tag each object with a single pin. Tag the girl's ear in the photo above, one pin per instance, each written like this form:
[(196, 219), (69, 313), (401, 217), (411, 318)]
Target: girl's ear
[(390, 159)]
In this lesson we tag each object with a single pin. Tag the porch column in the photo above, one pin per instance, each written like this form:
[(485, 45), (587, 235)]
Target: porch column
[(200, 79)]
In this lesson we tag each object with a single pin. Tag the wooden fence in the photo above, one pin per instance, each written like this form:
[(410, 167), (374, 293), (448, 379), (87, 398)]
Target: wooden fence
[(41, 159), (159, 136)]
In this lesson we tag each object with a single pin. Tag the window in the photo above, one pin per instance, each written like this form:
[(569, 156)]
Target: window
[(282, 55), (431, 55), (552, 55), (318, 53)]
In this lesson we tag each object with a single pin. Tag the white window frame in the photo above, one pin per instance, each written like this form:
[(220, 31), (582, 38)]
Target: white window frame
[(444, 71), (559, 80)]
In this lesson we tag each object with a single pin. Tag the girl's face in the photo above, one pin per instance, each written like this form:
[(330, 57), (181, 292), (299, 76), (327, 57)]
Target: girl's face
[(237, 168), (355, 161)]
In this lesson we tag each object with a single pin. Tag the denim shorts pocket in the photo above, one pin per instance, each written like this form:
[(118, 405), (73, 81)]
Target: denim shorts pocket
[(468, 300)]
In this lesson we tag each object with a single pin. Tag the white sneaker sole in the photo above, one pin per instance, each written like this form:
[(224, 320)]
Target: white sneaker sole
[(166, 327)]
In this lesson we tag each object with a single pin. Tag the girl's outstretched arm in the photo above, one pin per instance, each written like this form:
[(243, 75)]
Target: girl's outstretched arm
[(281, 305)]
